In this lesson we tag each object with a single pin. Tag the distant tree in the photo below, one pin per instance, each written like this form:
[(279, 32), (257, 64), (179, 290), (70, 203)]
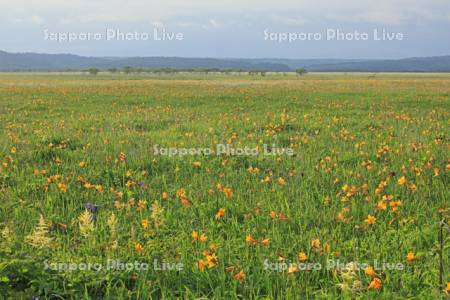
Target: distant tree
[(263, 73), (93, 71), (112, 70), (301, 71), (127, 70)]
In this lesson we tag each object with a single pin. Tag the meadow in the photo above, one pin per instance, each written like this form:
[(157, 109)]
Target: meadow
[(360, 211)]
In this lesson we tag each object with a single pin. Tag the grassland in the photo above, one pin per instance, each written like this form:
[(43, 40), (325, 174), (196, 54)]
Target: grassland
[(367, 186)]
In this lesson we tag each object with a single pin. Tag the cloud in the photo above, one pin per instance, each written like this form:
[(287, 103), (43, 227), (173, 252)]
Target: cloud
[(288, 20), (87, 11)]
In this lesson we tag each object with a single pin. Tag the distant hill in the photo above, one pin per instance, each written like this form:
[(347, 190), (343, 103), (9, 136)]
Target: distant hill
[(417, 64), (62, 62), (53, 62)]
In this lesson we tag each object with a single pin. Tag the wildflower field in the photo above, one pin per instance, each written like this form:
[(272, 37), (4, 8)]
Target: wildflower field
[(89, 210)]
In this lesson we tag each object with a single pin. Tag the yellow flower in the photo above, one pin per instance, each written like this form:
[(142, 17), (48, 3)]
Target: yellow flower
[(85, 223), (39, 238), (250, 240), (293, 269), (203, 238), (99, 188), (213, 247), (211, 260), (198, 237), (410, 256), (281, 181), (402, 181), (118, 204), (157, 214), (315, 243), (194, 236), (302, 256), (375, 284), (112, 223), (145, 223), (370, 271), (82, 164), (370, 220)]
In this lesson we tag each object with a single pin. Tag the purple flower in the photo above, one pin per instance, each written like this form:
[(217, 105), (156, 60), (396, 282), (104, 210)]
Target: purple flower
[(92, 208)]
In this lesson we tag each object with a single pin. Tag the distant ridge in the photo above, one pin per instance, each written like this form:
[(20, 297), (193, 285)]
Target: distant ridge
[(64, 62)]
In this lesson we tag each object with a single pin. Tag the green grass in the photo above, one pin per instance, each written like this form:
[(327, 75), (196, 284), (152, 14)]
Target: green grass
[(333, 123)]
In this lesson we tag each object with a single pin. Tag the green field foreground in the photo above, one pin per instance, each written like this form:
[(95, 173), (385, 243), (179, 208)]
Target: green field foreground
[(89, 210)]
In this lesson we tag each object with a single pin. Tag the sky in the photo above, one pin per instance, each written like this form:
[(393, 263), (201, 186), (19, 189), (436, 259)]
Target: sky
[(228, 29)]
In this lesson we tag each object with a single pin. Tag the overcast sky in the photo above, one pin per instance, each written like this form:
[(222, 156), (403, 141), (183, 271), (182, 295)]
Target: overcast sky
[(232, 28)]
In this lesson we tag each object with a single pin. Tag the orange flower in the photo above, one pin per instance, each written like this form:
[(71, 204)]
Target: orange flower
[(165, 195), (375, 284), (141, 204), (62, 187), (138, 248), (220, 213), (273, 215), (410, 256), (228, 192), (185, 202), (122, 156), (395, 205), (381, 205), (447, 289), (265, 242), (370, 220), (181, 194), (240, 276), (201, 264)]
